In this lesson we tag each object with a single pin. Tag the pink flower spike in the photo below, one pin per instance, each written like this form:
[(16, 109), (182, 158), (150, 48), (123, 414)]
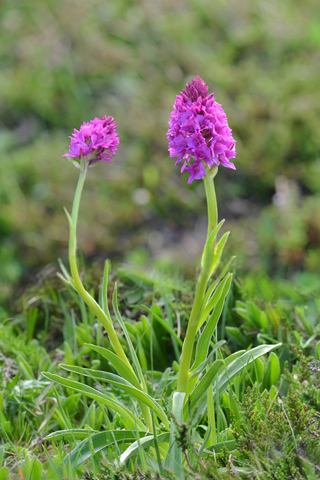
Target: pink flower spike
[(95, 141), (199, 132)]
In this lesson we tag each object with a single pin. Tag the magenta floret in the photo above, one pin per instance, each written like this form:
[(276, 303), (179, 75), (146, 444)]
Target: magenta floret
[(199, 132), (96, 140)]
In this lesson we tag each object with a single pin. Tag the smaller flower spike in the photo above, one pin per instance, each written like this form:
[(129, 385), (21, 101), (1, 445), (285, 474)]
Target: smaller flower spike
[(199, 133), (95, 141)]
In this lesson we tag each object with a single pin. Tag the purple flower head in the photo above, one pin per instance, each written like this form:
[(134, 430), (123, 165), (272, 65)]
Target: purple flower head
[(95, 141), (199, 133)]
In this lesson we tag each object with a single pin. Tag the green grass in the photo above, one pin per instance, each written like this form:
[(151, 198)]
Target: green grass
[(268, 414)]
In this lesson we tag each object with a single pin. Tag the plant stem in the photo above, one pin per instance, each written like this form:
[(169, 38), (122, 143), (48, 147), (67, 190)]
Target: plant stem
[(92, 304), (188, 344)]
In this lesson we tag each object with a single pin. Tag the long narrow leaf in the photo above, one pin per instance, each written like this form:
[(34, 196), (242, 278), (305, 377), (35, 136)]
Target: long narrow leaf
[(144, 443), (58, 472), (169, 316), (124, 385), (218, 252), (215, 300), (219, 447), (127, 415), (201, 389), (211, 418), (212, 287), (174, 456), (204, 340), (121, 367), (242, 362), (234, 368), (65, 276), (70, 434), (134, 357), (201, 367), (98, 441), (209, 247), (165, 325)]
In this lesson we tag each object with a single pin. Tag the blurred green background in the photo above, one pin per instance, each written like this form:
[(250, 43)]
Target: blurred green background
[(65, 62)]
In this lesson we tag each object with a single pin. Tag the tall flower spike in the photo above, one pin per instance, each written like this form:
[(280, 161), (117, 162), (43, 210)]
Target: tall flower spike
[(199, 133), (96, 140)]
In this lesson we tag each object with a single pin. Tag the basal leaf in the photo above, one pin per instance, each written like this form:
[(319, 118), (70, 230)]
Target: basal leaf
[(124, 385), (121, 367), (128, 416), (144, 443)]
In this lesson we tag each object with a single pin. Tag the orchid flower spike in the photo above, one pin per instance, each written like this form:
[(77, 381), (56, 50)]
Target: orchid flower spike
[(199, 133)]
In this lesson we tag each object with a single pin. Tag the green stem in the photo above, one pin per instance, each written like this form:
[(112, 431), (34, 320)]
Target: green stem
[(188, 344), (92, 304)]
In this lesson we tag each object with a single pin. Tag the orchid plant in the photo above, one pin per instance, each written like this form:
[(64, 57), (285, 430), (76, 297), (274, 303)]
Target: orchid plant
[(199, 135)]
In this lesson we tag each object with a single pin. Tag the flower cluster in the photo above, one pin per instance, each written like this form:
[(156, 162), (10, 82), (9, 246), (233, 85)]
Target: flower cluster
[(199, 132), (96, 140)]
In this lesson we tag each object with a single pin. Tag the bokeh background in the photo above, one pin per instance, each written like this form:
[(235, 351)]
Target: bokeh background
[(63, 62)]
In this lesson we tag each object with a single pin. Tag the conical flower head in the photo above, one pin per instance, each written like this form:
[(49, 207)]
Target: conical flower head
[(96, 140), (199, 133)]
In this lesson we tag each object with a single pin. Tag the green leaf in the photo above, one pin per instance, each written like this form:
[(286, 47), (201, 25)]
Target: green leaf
[(215, 299), (98, 441), (234, 368), (211, 418), (127, 415), (259, 369), (200, 368), (162, 322), (235, 334), (223, 273), (121, 367), (194, 374), (134, 357), (242, 362), (218, 252), (65, 277), (219, 447), (124, 385), (174, 456), (209, 250), (56, 469), (201, 389), (156, 445), (144, 443), (70, 434), (4, 473), (272, 371)]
